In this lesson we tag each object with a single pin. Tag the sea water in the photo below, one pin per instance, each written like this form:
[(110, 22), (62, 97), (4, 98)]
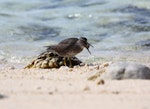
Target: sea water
[(119, 30)]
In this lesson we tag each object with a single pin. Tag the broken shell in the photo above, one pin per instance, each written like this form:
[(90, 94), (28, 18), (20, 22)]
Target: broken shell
[(50, 64), (51, 60), (38, 65), (44, 64)]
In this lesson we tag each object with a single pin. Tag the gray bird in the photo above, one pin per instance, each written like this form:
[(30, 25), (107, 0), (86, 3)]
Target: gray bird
[(70, 47)]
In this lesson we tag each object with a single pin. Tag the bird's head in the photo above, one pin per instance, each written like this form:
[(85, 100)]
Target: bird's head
[(84, 43)]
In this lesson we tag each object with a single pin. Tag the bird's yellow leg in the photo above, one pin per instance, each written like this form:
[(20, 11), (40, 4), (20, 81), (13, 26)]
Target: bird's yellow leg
[(70, 63), (65, 62)]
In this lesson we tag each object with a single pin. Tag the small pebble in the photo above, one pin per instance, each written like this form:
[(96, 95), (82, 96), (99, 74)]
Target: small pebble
[(2, 96), (21, 84), (42, 77), (100, 82), (93, 76), (50, 93), (97, 67), (82, 64), (106, 64), (70, 69), (77, 66), (12, 68), (86, 88), (64, 68), (39, 87), (115, 92)]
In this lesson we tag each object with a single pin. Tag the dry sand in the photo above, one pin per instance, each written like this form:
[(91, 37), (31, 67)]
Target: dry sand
[(68, 88)]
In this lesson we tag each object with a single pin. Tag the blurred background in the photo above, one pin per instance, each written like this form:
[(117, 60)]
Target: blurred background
[(118, 30)]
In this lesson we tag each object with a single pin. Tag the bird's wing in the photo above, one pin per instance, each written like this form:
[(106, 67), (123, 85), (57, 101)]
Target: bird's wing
[(69, 41), (63, 45)]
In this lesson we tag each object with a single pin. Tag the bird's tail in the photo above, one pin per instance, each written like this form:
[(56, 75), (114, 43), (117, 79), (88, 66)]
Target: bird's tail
[(50, 48)]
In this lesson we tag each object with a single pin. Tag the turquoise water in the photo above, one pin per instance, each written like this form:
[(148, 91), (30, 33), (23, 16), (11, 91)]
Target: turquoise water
[(118, 30)]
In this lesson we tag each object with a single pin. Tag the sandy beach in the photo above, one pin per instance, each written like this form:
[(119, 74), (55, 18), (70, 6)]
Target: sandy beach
[(69, 88), (118, 30)]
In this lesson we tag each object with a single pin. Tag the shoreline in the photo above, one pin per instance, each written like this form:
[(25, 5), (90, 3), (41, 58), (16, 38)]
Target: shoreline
[(67, 88)]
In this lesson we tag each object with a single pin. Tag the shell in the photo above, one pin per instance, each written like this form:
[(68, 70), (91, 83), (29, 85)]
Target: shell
[(48, 60)]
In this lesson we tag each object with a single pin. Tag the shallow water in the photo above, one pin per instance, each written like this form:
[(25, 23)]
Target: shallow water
[(118, 30)]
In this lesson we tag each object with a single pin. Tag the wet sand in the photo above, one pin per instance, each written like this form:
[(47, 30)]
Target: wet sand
[(69, 88)]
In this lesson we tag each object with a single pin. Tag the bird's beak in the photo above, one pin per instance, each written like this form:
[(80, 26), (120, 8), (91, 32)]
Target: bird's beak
[(89, 47), (88, 50)]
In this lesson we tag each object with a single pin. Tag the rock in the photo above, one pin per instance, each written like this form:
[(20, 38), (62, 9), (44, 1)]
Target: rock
[(126, 70)]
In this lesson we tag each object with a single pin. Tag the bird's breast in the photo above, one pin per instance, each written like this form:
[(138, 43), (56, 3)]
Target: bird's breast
[(71, 52)]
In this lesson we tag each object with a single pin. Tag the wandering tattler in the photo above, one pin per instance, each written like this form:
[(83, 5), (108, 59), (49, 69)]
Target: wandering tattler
[(70, 47)]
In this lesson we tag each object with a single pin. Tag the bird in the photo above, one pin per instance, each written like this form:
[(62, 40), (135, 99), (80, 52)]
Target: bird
[(70, 47)]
